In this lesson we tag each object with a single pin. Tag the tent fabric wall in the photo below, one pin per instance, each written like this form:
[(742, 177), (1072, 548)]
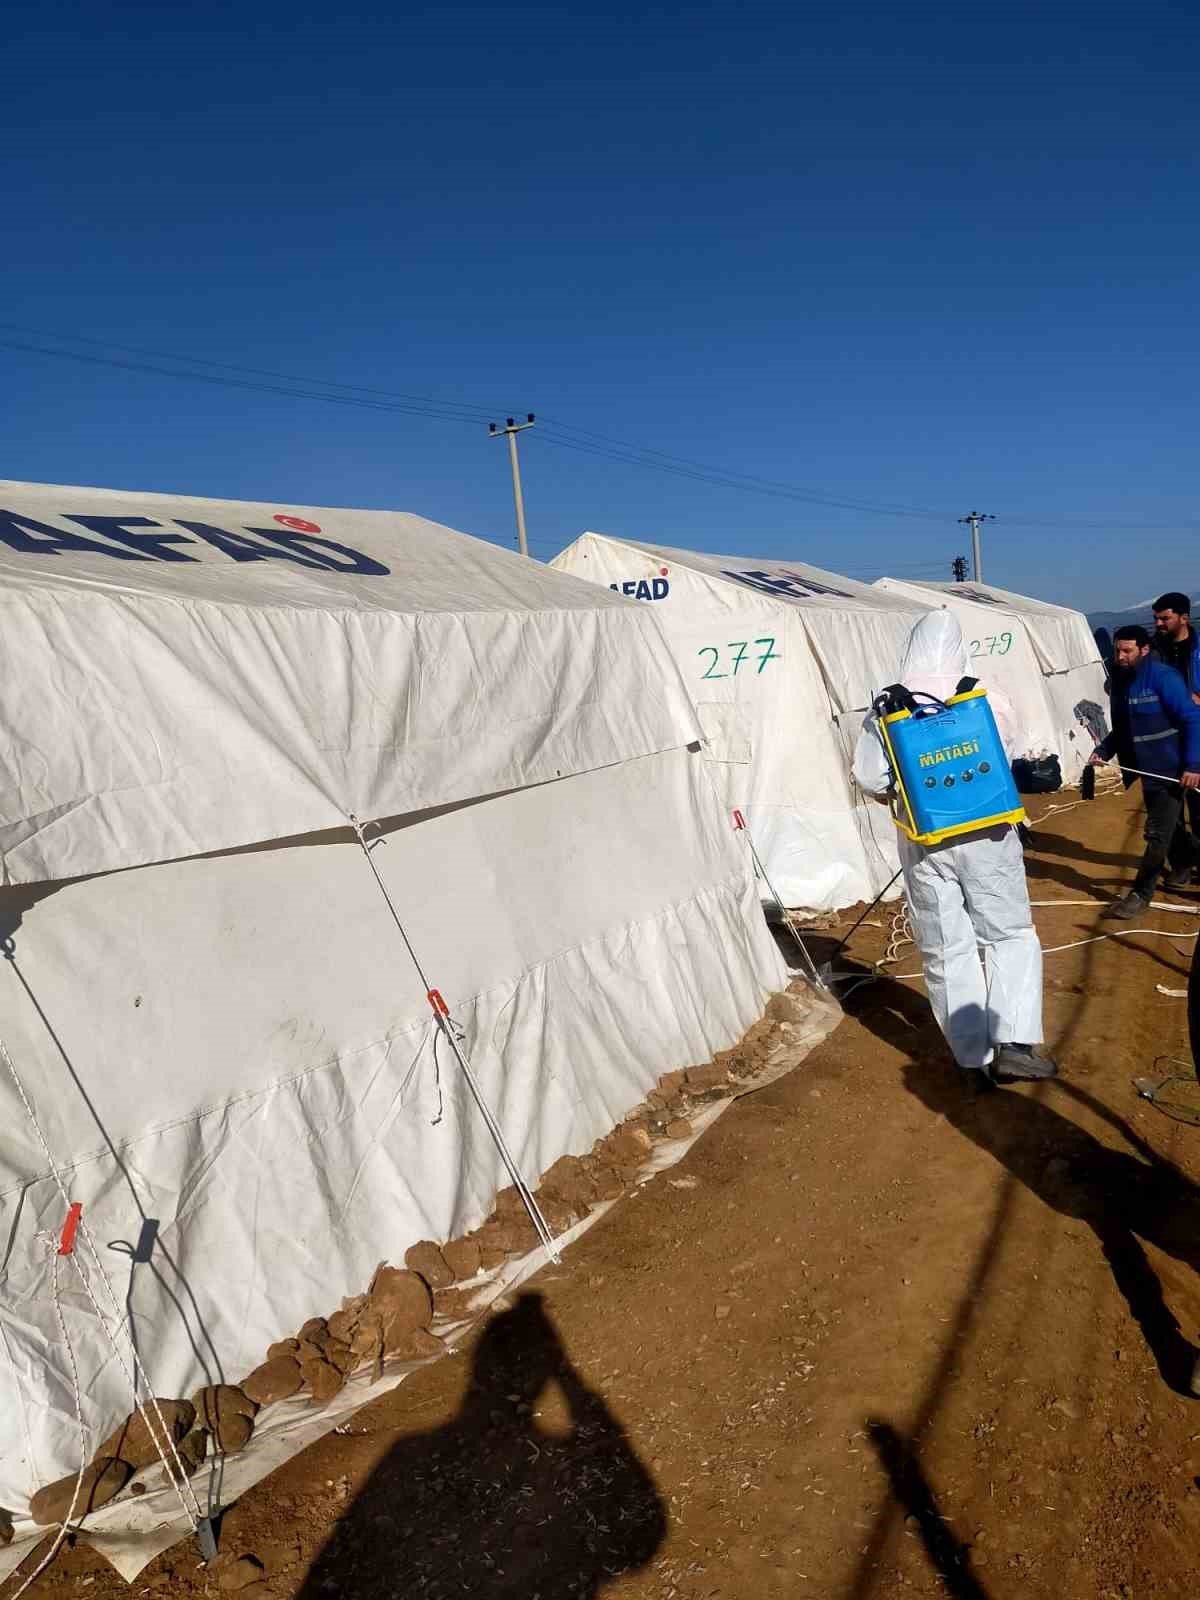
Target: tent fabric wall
[(236, 1045), (184, 695), (783, 660), (1043, 656)]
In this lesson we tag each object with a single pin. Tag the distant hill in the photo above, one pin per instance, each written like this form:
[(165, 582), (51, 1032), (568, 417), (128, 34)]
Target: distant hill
[(1138, 613)]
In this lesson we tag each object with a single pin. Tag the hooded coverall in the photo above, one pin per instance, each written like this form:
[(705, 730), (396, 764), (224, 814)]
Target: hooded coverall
[(969, 893)]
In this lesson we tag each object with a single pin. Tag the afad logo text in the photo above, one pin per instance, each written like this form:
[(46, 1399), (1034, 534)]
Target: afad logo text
[(644, 588)]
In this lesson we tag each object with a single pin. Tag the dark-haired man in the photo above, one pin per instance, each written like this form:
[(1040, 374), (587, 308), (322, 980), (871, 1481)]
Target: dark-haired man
[(1155, 732), (1174, 642), (1175, 638)]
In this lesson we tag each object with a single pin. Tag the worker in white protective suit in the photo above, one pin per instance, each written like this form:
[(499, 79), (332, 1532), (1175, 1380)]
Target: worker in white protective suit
[(968, 894)]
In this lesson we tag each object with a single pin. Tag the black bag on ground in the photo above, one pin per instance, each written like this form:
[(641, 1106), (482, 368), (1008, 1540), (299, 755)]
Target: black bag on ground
[(1042, 775)]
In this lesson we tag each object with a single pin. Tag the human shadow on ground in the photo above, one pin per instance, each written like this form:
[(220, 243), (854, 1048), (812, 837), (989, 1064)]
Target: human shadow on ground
[(1048, 842), (949, 1557), (496, 1504), (1101, 887), (1129, 1198)]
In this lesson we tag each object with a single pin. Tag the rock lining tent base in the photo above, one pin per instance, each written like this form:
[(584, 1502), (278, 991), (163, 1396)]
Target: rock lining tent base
[(222, 1042)]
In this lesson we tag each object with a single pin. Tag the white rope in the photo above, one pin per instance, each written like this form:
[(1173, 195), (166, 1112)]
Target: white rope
[(84, 1440), (1096, 938), (447, 1029), (193, 1512), (901, 933), (1155, 905)]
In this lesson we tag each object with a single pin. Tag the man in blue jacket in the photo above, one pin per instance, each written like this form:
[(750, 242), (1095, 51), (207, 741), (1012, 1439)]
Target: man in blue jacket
[(1156, 732)]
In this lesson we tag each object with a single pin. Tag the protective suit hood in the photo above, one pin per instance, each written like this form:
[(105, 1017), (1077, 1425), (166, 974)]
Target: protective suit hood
[(935, 657)]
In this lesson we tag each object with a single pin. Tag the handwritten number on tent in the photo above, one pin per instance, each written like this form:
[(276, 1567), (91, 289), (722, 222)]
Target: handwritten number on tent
[(742, 647), (997, 644)]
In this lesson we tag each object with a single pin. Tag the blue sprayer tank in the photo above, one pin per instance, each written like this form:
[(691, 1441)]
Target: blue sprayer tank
[(950, 768)]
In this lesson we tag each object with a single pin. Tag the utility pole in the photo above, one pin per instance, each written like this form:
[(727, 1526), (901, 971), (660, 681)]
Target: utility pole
[(510, 430), (975, 518), (959, 568)]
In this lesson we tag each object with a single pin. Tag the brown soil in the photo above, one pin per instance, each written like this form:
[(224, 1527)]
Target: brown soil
[(869, 1338)]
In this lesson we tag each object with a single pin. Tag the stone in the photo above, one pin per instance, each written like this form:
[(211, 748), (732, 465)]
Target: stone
[(274, 1381), (505, 1236), (509, 1203), (462, 1258), (341, 1356), (309, 1351), (228, 1414), (193, 1448), (681, 1128), (368, 1336), (315, 1330), (426, 1259), (401, 1299), (343, 1323), (324, 1380), (609, 1185), (6, 1526), (569, 1180), (105, 1478), (283, 1347), (418, 1345), (672, 1083), (711, 1075), (239, 1573), (133, 1441), (233, 1434), (558, 1215), (627, 1146), (220, 1400), (455, 1304)]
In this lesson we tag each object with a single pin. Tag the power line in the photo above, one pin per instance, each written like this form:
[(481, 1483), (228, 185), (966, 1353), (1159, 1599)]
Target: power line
[(290, 391), (562, 435), (292, 386), (469, 413)]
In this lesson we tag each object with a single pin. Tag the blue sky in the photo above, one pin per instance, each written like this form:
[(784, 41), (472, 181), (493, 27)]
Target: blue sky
[(920, 256)]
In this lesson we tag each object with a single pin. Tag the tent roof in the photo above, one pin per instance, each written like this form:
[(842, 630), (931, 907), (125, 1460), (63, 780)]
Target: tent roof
[(791, 582), (188, 675), (988, 594), (1061, 637)]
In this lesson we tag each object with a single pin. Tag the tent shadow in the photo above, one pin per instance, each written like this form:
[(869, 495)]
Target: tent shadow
[(499, 1504)]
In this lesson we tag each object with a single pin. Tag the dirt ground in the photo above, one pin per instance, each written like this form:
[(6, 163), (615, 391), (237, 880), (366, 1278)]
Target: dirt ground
[(869, 1338)]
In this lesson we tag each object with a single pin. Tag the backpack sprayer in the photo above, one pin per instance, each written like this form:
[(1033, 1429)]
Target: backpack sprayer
[(950, 771)]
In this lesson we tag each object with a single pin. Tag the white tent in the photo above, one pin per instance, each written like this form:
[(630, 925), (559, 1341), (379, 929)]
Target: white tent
[(783, 661), (1043, 656), (207, 1007)]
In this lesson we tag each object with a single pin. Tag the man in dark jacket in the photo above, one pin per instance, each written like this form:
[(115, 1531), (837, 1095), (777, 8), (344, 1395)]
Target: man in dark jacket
[(1156, 733), (1174, 642), (1175, 638)]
